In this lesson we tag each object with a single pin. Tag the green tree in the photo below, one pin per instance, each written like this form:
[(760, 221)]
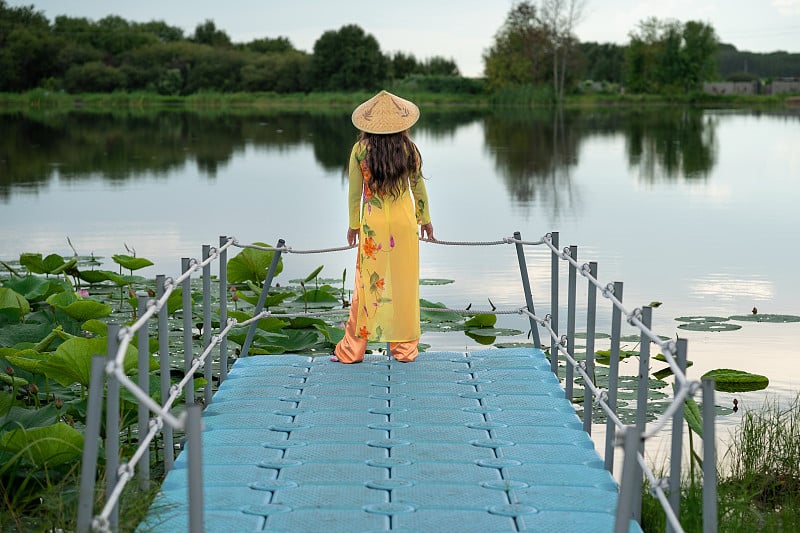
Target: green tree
[(665, 56), (207, 33), (347, 60), (402, 65), (267, 45), (518, 55), (279, 72), (602, 61), (439, 66)]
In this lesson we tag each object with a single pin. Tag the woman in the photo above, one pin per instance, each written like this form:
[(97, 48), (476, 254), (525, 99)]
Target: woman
[(385, 172)]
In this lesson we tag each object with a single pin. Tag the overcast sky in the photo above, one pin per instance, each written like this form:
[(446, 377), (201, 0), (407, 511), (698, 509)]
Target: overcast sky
[(458, 30)]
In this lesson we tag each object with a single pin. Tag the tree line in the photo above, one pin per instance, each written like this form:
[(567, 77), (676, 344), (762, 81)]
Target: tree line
[(81, 55), (535, 46)]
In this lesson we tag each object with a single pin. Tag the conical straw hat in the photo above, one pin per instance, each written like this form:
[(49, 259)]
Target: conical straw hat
[(385, 113)]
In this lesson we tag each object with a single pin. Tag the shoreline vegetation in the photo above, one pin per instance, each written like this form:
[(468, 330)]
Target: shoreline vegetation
[(531, 97)]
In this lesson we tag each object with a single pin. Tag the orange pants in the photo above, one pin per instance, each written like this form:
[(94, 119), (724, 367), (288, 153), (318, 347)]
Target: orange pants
[(351, 348)]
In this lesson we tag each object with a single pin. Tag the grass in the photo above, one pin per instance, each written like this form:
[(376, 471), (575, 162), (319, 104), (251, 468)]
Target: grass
[(759, 488), (515, 96)]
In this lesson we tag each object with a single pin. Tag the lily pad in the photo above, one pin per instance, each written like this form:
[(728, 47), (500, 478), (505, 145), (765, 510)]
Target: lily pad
[(729, 380), (494, 332), (597, 335), (709, 326), (482, 321), (701, 319), (485, 340), (435, 281), (766, 318)]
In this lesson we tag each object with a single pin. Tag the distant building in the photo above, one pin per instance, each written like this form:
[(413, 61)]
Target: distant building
[(732, 87), (783, 86)]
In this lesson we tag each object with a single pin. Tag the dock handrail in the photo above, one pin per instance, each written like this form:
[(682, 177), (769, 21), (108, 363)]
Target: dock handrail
[(631, 438)]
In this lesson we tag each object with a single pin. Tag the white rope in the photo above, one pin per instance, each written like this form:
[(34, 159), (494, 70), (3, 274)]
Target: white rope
[(667, 347)]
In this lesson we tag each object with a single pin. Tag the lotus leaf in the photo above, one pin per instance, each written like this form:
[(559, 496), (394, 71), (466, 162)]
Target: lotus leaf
[(766, 318), (19, 417), (98, 327), (12, 380), (29, 332), (317, 296), (481, 339), (33, 288), (122, 280), (252, 265), (131, 263), (494, 332), (266, 324), (10, 299), (84, 310), (437, 316), (313, 274), (435, 281), (597, 335), (62, 299), (709, 326), (94, 276), (301, 322), (482, 321), (728, 380), (701, 319), (694, 419), (72, 360), (33, 263), (28, 360), (45, 446)]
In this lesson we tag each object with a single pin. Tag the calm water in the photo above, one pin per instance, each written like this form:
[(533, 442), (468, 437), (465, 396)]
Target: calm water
[(695, 209)]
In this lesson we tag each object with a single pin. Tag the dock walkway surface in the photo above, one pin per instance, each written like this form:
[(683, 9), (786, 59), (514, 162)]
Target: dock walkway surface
[(479, 441)]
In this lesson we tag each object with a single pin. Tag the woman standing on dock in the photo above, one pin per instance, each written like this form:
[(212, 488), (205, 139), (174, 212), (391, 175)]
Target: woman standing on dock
[(387, 202)]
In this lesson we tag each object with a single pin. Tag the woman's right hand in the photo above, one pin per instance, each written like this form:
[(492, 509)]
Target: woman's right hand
[(352, 236)]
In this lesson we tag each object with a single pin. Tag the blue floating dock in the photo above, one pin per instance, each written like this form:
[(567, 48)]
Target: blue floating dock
[(481, 441)]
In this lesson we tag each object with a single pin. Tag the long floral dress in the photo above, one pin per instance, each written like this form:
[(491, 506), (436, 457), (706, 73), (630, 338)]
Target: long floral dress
[(387, 267)]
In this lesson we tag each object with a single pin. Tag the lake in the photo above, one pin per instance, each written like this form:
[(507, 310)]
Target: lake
[(697, 209)]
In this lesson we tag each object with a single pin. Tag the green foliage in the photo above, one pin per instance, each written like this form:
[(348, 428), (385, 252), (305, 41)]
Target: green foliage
[(519, 55), (667, 56), (251, 265), (728, 380), (348, 59)]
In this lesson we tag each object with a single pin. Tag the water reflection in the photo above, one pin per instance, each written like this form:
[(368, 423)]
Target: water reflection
[(671, 143), (534, 152)]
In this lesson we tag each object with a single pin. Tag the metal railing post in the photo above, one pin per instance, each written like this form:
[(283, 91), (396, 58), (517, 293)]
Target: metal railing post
[(164, 370), (223, 308), (94, 411), (676, 446), (112, 425), (273, 267), (143, 339), (571, 310), (591, 317), (207, 368), (526, 287), (194, 430), (642, 388), (709, 458), (630, 438), (554, 259), (188, 351), (613, 376)]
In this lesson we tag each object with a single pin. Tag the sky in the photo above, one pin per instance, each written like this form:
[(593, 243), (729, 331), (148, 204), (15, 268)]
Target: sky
[(457, 30)]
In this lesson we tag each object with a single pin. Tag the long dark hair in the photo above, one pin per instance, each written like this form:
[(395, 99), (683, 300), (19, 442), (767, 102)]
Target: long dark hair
[(392, 159)]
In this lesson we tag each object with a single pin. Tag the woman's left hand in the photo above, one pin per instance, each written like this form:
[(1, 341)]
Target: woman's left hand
[(426, 230)]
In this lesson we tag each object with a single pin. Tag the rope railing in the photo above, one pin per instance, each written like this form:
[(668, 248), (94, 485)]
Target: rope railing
[(121, 338)]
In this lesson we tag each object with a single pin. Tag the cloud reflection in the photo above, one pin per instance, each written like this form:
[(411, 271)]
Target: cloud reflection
[(727, 288)]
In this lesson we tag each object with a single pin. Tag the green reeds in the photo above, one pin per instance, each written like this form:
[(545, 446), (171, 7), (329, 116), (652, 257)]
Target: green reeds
[(759, 481)]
